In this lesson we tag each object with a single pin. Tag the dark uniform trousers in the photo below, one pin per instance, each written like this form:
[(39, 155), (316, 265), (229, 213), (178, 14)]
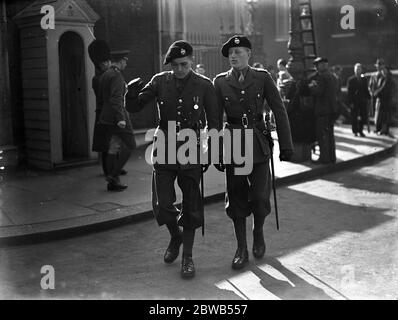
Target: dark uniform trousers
[(250, 194), (185, 102), (164, 196)]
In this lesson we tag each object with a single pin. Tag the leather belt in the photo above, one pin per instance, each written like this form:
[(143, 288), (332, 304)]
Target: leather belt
[(179, 127), (245, 121)]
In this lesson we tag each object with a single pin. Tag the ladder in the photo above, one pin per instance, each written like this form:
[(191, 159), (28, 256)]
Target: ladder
[(307, 35)]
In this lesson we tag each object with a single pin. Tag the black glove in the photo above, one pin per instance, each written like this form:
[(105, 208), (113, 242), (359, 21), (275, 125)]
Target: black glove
[(205, 167), (286, 155), (220, 167), (134, 88)]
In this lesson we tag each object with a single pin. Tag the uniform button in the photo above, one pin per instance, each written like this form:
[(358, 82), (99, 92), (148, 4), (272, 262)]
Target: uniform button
[(180, 101), (179, 107), (243, 92), (179, 113)]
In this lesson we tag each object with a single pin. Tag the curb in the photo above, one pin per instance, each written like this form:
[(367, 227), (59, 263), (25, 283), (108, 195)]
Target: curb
[(145, 215)]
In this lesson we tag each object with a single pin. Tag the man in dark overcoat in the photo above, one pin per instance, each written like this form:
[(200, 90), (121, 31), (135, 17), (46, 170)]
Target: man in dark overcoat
[(115, 119), (358, 96), (323, 89)]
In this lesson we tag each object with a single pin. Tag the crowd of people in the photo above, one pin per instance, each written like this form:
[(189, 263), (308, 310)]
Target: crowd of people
[(322, 94), (236, 100)]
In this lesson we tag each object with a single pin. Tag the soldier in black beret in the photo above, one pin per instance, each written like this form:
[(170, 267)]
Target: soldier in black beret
[(188, 100), (235, 42), (115, 120), (242, 92)]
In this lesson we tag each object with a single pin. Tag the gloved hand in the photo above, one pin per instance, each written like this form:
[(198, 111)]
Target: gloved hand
[(134, 88), (205, 167), (220, 167), (286, 155), (122, 124)]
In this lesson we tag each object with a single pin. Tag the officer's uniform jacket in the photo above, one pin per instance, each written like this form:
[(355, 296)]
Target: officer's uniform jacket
[(247, 100), (111, 95), (193, 107), (324, 93)]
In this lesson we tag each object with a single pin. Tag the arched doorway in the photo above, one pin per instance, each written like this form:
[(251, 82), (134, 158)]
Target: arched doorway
[(75, 144)]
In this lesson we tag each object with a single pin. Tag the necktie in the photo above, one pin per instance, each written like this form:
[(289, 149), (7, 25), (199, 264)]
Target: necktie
[(180, 85), (241, 77)]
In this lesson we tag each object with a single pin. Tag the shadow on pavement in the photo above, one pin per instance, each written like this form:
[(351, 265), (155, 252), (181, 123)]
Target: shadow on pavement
[(367, 182), (301, 289), (128, 263)]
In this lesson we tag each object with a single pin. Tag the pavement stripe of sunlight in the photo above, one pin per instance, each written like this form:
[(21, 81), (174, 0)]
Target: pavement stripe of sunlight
[(381, 172), (247, 286), (276, 286), (361, 148), (361, 140), (337, 192), (346, 155)]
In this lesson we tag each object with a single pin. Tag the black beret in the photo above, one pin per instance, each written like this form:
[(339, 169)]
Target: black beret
[(319, 60), (178, 49), (98, 51), (119, 55), (235, 41)]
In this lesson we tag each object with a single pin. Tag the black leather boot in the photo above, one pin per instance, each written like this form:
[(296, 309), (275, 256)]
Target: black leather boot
[(173, 250), (187, 267), (258, 244), (241, 255), (241, 259)]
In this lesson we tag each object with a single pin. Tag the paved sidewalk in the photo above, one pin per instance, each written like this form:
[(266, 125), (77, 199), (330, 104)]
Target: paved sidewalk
[(37, 203)]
